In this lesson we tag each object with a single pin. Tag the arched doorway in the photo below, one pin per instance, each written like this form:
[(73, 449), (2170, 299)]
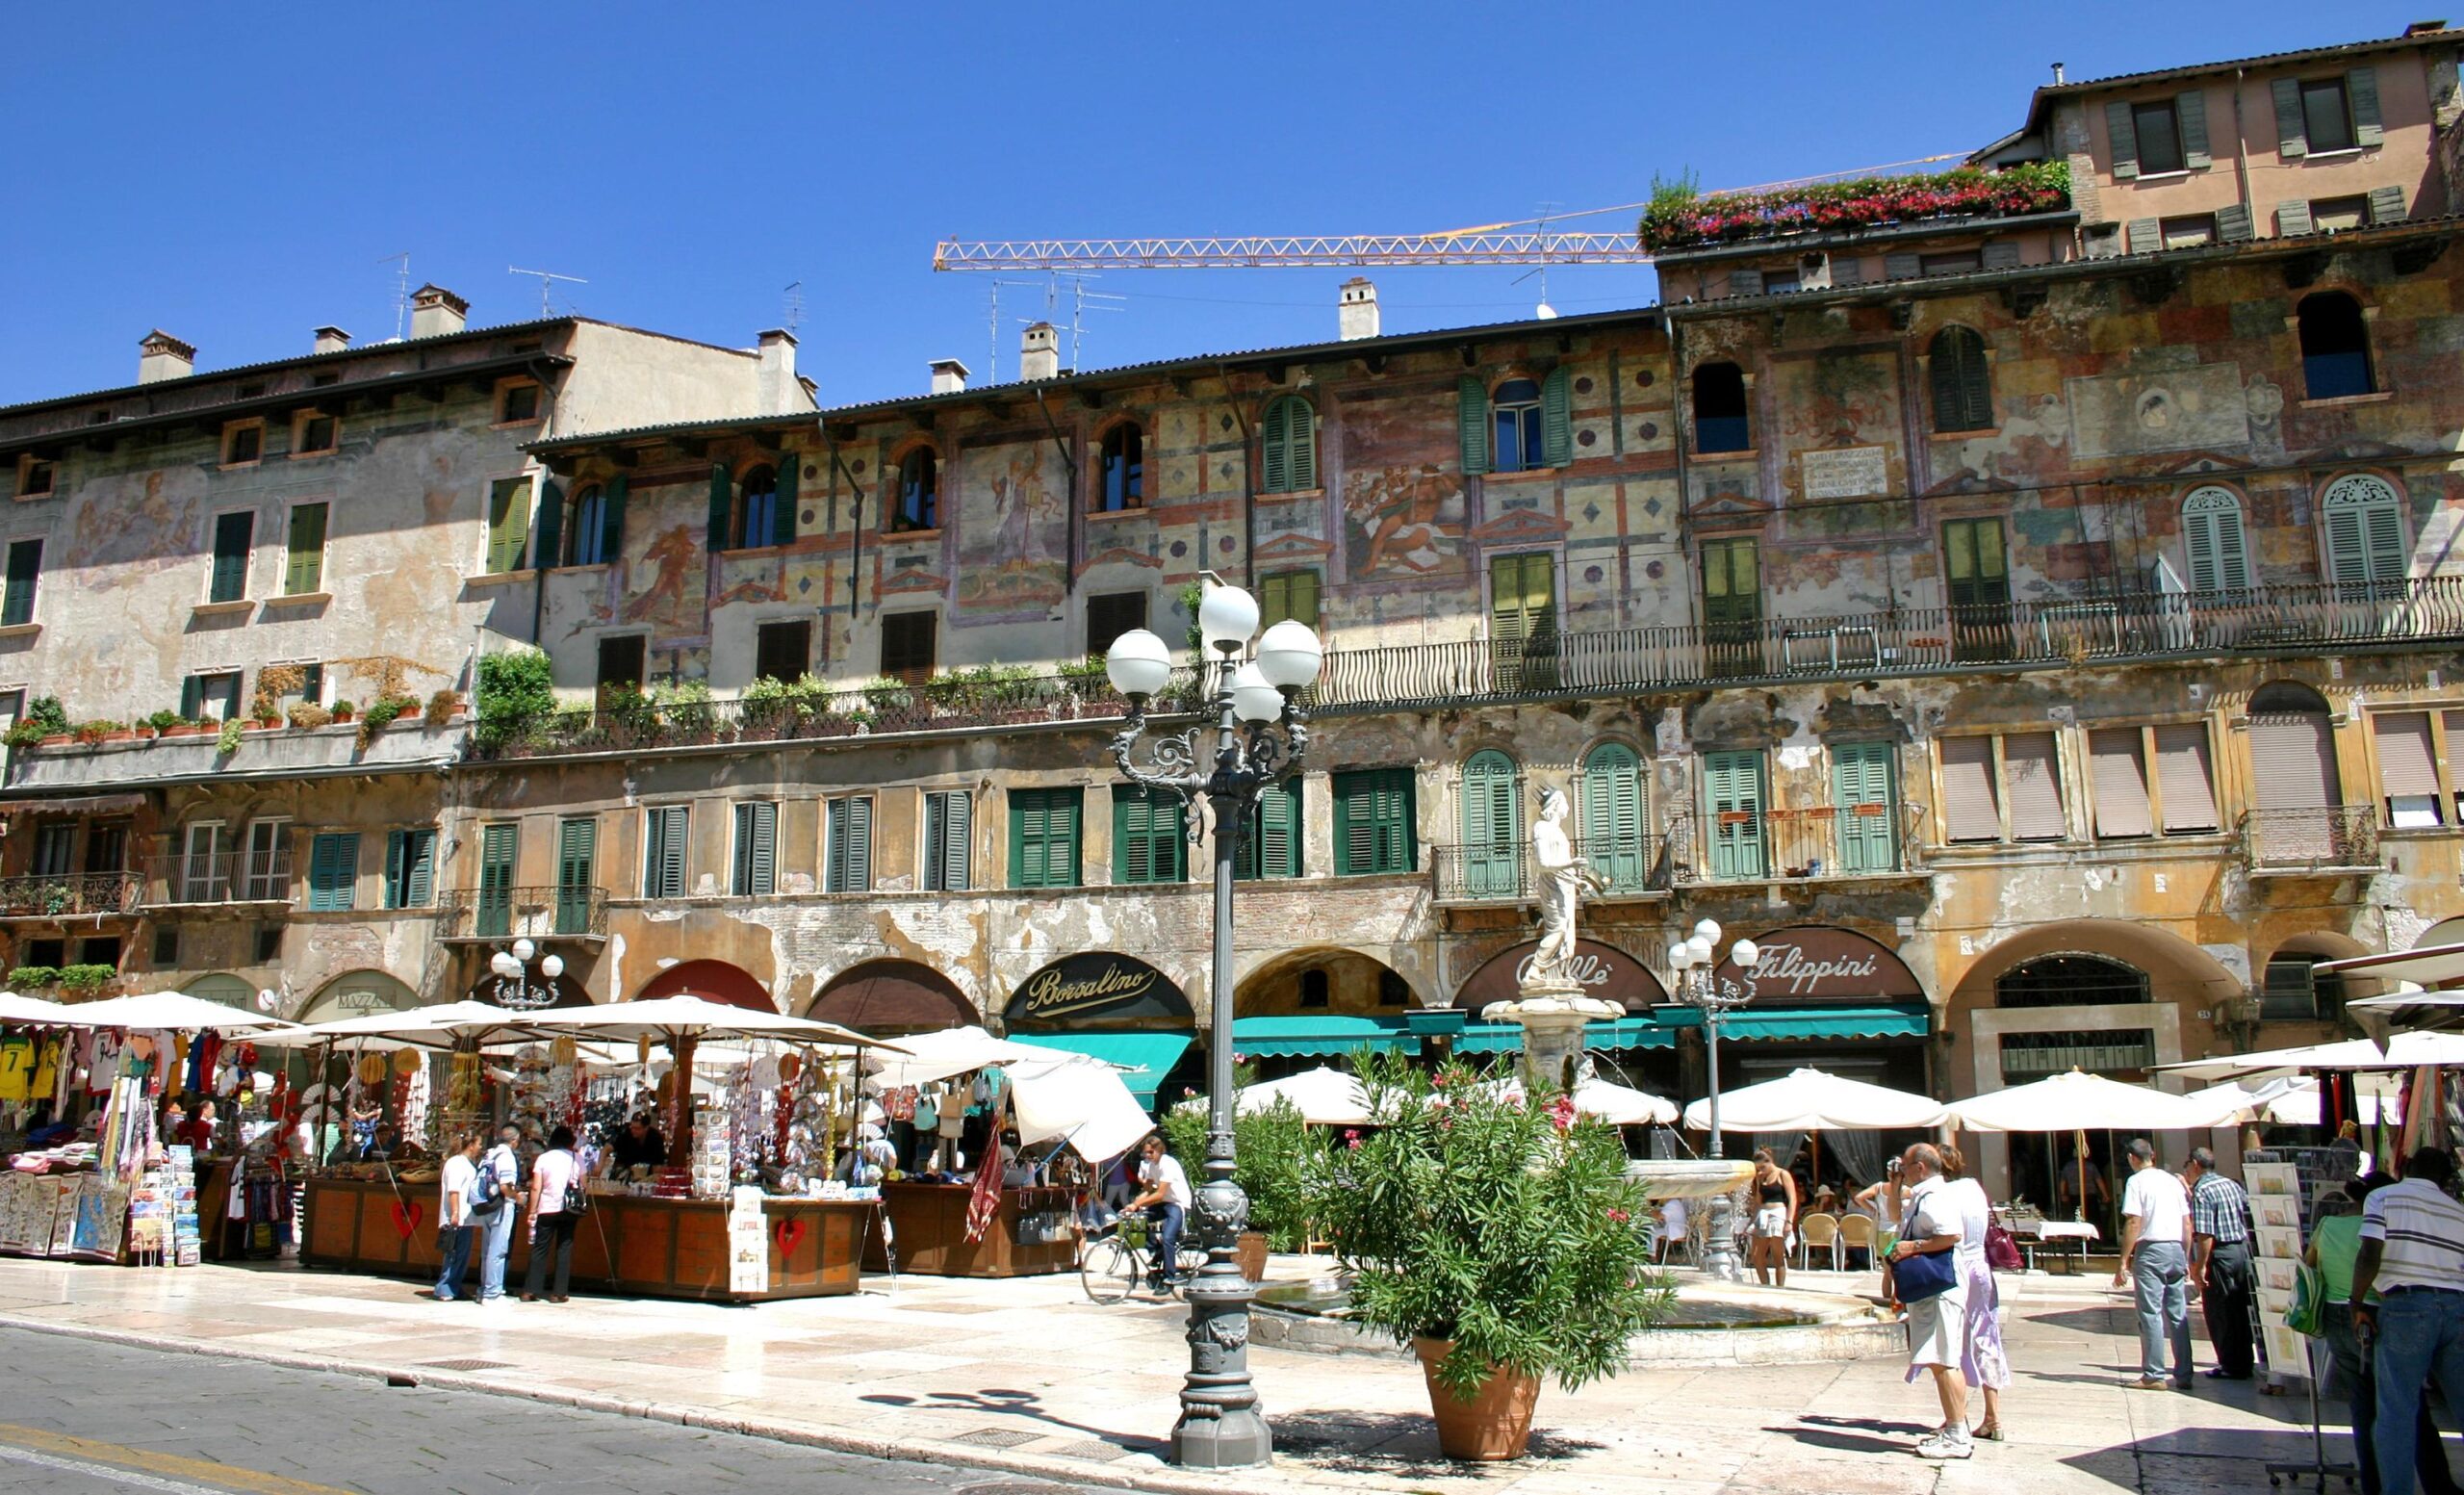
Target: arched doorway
[(883, 998), (356, 994), (1318, 1006), (715, 981), (224, 988), (2292, 989)]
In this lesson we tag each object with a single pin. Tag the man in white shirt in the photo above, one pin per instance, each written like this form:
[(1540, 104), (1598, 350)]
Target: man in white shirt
[(1936, 1324), (2412, 1254), (1164, 1192), (453, 1214), (2155, 1256)]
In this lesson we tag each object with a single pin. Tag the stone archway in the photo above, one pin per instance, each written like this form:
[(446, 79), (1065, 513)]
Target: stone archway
[(889, 997), (718, 981)]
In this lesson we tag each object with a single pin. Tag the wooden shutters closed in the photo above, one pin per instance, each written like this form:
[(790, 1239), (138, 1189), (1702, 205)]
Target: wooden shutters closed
[(234, 535), (1732, 799), (1374, 821), (1044, 838), (1273, 846), (2186, 777), (2219, 556), (2031, 775), (333, 871), (1288, 439), (755, 874), (1863, 777), (304, 565), (949, 840), (1148, 840), (2117, 766), (1976, 577), (664, 832), (1522, 621), (577, 873), (1492, 826), (1731, 606), (1612, 816), (497, 846), (849, 867), (2365, 532)]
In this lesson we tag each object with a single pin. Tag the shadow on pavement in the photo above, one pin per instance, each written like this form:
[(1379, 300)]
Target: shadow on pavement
[(1003, 1401), (1395, 1444)]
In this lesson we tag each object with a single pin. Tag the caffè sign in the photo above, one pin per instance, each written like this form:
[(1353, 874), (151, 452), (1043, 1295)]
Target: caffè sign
[(1817, 963), (1605, 972), (1096, 989)]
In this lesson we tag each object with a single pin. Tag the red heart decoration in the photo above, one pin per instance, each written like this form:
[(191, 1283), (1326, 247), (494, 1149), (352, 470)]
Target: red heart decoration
[(406, 1219), (787, 1233)]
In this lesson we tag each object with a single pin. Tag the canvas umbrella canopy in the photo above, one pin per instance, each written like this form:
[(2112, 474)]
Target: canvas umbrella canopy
[(170, 1010), (1618, 1105), (926, 1057), (1079, 1099), (1324, 1097), (2272, 1062), (2079, 1101), (28, 1009), (689, 1017), (441, 1026), (1810, 1100)]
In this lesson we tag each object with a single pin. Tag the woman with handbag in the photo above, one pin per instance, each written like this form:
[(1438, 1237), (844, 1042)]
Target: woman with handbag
[(1925, 1264), (556, 1209), (1984, 1365)]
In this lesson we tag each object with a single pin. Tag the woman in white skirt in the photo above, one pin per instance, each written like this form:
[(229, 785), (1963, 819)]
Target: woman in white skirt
[(1983, 1364), (1775, 1214)]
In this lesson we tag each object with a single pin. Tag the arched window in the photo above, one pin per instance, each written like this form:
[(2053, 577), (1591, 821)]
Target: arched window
[(1121, 480), (2335, 347), (1614, 815), (1514, 428), (586, 534), (2365, 525), (1963, 384), (2071, 981), (756, 508), (2287, 697), (2292, 989), (1289, 435), (1492, 826), (2211, 534), (919, 492), (1720, 423)]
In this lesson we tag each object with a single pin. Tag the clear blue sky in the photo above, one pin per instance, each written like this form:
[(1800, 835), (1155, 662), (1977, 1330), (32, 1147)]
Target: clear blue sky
[(232, 172)]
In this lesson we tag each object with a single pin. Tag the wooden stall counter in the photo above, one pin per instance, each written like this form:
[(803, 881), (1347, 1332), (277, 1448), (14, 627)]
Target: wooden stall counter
[(626, 1244), (928, 1226)]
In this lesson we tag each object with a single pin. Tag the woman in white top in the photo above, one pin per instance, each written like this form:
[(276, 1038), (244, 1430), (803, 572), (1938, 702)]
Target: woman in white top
[(1983, 1364), (555, 1173)]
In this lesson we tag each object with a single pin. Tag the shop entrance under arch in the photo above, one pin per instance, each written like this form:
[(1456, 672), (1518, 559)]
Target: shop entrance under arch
[(884, 998), (716, 981), (1318, 1006)]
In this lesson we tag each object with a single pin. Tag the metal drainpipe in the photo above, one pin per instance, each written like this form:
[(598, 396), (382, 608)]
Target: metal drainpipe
[(540, 563), (2241, 156)]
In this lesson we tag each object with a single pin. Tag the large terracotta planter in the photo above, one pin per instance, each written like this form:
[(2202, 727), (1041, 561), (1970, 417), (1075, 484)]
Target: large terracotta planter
[(1493, 1424), (1251, 1251)]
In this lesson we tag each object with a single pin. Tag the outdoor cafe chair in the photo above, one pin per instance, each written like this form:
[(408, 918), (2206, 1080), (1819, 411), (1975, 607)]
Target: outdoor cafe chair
[(1818, 1232)]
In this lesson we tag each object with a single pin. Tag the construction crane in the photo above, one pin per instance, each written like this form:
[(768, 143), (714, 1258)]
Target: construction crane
[(1521, 241)]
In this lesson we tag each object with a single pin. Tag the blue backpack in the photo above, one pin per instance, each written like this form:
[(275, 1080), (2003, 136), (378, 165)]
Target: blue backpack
[(487, 1196)]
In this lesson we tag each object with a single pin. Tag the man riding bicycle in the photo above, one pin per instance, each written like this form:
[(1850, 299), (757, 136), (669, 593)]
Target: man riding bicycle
[(1164, 1192)]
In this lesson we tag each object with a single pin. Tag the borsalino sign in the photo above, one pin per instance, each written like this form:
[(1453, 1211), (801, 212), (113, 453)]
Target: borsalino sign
[(1815, 963), (1096, 989)]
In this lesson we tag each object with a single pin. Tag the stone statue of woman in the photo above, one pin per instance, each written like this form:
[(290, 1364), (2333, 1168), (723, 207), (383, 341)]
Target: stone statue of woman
[(1564, 878)]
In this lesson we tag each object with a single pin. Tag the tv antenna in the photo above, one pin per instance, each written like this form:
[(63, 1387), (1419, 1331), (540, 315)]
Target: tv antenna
[(402, 264), (793, 299), (546, 283), (992, 367)]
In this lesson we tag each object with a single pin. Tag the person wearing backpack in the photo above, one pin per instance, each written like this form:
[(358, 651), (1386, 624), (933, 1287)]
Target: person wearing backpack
[(453, 1220), (500, 1171)]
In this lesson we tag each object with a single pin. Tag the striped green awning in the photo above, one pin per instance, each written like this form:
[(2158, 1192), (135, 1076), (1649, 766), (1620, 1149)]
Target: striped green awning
[(1144, 1058), (1490, 1038), (1881, 1019), (1319, 1034)]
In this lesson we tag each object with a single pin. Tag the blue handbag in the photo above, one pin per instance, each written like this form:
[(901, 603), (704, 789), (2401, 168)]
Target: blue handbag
[(1925, 1274)]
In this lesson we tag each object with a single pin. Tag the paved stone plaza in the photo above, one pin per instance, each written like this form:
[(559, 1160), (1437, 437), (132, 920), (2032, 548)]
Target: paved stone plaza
[(1026, 1377)]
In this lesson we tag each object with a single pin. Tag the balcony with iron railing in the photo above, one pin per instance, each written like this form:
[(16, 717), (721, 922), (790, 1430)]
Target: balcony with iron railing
[(202, 879), (1629, 867), (565, 911), (2332, 838), (1802, 844), (65, 895)]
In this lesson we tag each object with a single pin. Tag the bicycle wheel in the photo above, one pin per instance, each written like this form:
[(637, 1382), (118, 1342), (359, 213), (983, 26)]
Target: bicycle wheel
[(1107, 1269)]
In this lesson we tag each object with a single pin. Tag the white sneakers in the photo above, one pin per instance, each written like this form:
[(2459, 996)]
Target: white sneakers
[(1947, 1443)]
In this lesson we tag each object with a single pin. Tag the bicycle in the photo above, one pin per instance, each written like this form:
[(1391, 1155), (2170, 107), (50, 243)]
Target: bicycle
[(1113, 1261)]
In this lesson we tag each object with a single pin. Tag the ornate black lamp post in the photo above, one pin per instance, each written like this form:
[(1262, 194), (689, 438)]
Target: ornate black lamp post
[(1691, 960), (1260, 734)]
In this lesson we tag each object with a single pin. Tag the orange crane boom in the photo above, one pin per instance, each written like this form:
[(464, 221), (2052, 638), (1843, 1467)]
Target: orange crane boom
[(1463, 246)]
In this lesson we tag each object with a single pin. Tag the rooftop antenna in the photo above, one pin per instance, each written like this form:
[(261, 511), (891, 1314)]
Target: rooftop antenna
[(546, 283), (993, 368), (1079, 296), (793, 297), (402, 264), (1544, 311)]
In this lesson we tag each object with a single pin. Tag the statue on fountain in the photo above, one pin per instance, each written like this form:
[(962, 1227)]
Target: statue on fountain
[(1565, 879), (1551, 1004)]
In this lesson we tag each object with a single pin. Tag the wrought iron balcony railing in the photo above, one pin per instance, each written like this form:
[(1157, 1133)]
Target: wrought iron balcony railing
[(569, 911), (1804, 843), (2333, 838), (71, 894), (218, 877), (1631, 866)]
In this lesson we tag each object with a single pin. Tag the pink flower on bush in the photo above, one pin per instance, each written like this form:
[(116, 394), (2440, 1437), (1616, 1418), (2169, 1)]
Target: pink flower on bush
[(1619, 1216), (1562, 1112)]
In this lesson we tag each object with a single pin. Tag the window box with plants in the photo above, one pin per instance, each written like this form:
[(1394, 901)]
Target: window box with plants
[(45, 724), (76, 982), (1496, 1236), (1679, 217)]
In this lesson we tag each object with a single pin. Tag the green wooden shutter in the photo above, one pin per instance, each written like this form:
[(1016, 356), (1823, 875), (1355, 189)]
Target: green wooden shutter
[(333, 866), (498, 845), (397, 868), (1147, 829), (2383, 532), (612, 519), (576, 869), (1492, 829), (192, 697), (2292, 130), (860, 843), (1277, 832), (1557, 418), (1044, 838), (2123, 132), (1962, 383), (551, 528), (722, 505), (756, 828), (1522, 621), (1863, 803), (2347, 557), (1613, 815), (1375, 822), (2361, 94), (304, 568), (2190, 110), (1274, 442), (833, 861), (782, 528), (1732, 798), (508, 525), (421, 889), (949, 840), (1471, 422), (234, 534), (1300, 434), (667, 828), (2387, 204), (25, 574)]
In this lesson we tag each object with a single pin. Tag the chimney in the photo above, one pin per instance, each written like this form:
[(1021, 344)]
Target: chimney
[(2058, 79), (1040, 353), (778, 386), (162, 356), (949, 375), (436, 312), (1356, 309), (332, 340), (2424, 28)]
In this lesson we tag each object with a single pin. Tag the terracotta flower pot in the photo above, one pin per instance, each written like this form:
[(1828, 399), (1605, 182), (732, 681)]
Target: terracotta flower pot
[(1251, 1253), (1492, 1425)]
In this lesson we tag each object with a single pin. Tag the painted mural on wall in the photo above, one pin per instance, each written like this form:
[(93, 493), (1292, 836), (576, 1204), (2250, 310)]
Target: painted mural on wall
[(664, 584), (1403, 506), (1840, 412), (1013, 547)]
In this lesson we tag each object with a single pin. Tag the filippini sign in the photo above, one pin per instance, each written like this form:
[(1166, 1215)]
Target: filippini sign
[(1096, 989)]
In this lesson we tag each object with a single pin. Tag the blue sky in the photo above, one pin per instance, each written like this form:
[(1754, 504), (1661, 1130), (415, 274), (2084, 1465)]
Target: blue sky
[(232, 174)]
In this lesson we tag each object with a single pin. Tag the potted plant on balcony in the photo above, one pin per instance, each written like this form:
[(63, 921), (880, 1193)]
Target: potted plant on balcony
[(83, 981), (1494, 1233), (34, 978), (443, 706)]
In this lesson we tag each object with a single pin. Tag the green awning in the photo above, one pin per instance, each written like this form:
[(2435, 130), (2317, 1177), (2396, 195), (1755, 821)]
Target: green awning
[(1316, 1034), (1882, 1020), (1492, 1038), (1144, 1058)]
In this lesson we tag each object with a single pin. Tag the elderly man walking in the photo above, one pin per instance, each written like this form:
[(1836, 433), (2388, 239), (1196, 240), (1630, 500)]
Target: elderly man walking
[(2412, 1253), (2220, 1271), (1936, 1324), (2155, 1256)]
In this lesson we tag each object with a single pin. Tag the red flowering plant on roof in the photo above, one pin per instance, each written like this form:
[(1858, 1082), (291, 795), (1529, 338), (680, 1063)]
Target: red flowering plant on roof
[(1679, 217)]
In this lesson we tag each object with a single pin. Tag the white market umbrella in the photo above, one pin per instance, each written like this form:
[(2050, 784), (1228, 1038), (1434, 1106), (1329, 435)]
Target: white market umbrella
[(1078, 1098), (1323, 1096), (1811, 1100), (170, 1010), (2078, 1101), (429, 1028), (28, 1009), (1618, 1105), (674, 1018), (926, 1057), (2270, 1063)]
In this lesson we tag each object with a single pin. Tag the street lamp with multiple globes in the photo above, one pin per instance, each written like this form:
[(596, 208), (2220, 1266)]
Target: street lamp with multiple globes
[(1260, 734), (514, 987), (1691, 960)]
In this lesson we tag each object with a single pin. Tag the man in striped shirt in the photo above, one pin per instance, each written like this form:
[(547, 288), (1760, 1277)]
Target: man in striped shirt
[(2220, 1271), (2412, 1254)]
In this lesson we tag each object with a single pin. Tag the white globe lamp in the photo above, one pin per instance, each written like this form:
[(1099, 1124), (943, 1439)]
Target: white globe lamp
[(1291, 654), (1699, 950), (1226, 618), (552, 966), (1746, 954), (1707, 931), (1139, 665), (1679, 957), (524, 949), (1253, 699)]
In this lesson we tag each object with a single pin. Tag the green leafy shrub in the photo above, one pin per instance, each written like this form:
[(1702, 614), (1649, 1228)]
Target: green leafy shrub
[(227, 741), (882, 697), (684, 707), (1087, 677), (514, 689), (1272, 1151), (97, 730), (164, 721), (85, 978), (34, 978), (45, 714)]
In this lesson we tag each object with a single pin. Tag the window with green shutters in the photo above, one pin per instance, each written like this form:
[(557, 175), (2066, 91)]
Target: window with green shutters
[(333, 871), (754, 869), (2364, 523), (1732, 606), (1271, 848), (2218, 554), (949, 840), (1288, 595), (595, 534), (1044, 838), (1733, 803), (847, 862), (1288, 441), (303, 569), (1963, 382), (576, 872), (1492, 809), (1520, 425), (1522, 621), (1614, 805), (1375, 822), (1976, 580), (1149, 836), (410, 867), (508, 525), (498, 845), (664, 830), (234, 536), (25, 574), (1865, 805)]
